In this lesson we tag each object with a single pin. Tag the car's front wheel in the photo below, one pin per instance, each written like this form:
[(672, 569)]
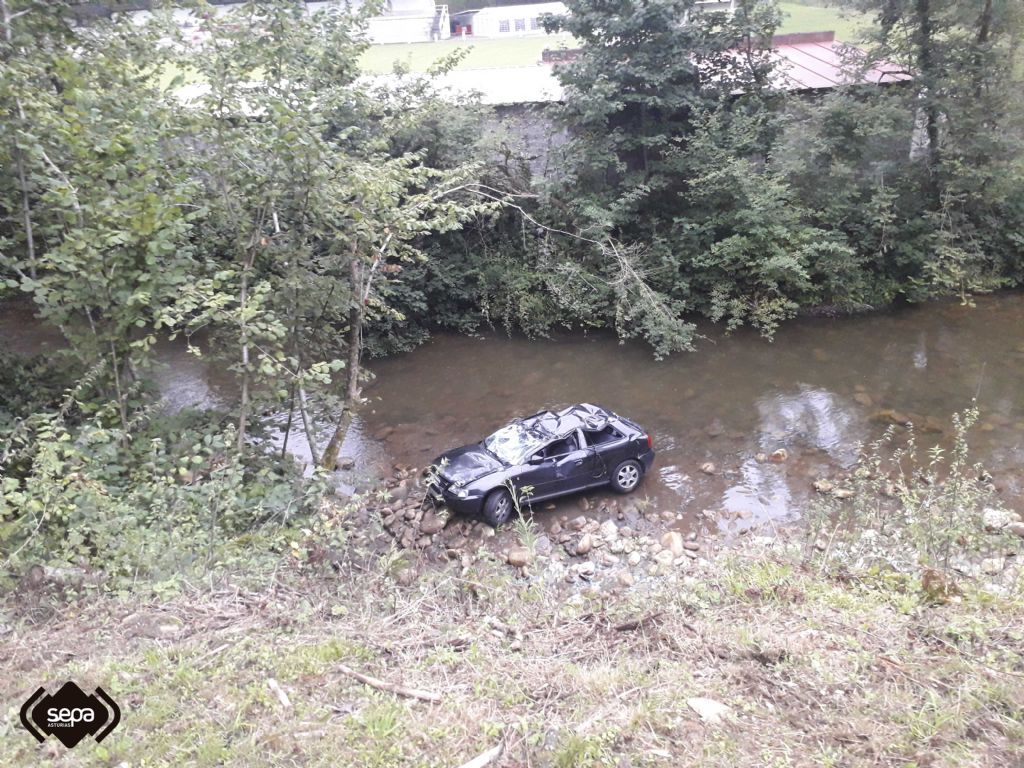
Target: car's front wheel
[(626, 476), (498, 507)]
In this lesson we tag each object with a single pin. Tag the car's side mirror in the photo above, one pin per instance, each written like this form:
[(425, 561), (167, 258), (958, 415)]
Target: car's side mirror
[(537, 458)]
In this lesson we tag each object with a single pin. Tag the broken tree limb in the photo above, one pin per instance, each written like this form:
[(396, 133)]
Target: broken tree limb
[(485, 758), (634, 624), (398, 690)]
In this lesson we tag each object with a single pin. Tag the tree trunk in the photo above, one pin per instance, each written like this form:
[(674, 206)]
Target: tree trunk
[(243, 406), (288, 423), (926, 66), (122, 406), (355, 337), (307, 426)]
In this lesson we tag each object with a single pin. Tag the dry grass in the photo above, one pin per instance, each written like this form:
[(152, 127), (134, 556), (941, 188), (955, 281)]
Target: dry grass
[(816, 671)]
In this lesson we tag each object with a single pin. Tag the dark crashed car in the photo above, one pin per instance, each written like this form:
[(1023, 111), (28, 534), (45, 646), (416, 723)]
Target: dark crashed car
[(550, 453)]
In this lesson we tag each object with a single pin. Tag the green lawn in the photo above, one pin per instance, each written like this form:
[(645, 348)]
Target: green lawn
[(486, 53), (847, 25)]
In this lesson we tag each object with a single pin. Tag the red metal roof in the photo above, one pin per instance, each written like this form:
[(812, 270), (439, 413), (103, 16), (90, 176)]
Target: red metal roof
[(816, 60)]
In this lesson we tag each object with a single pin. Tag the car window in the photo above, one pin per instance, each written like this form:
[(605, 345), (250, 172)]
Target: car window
[(514, 443), (606, 435), (561, 447)]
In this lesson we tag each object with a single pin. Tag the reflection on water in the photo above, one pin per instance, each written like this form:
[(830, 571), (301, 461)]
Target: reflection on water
[(813, 418), (820, 390)]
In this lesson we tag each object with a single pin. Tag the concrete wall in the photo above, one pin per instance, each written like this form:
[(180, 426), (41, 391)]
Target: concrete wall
[(530, 132), (406, 29)]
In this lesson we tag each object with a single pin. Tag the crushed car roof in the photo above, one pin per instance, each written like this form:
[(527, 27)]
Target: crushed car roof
[(561, 423)]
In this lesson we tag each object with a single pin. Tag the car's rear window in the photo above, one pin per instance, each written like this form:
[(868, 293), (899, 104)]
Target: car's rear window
[(606, 435)]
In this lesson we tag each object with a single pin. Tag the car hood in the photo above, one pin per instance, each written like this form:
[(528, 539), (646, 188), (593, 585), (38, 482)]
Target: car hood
[(466, 464)]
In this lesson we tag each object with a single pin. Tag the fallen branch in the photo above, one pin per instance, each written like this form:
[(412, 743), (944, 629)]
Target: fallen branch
[(485, 758), (635, 624), (399, 690), (274, 686)]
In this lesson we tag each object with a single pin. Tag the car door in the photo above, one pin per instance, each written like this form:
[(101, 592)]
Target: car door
[(572, 465), (538, 474), (607, 447)]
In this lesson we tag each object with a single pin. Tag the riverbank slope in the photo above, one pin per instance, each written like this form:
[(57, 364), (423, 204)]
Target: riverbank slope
[(758, 655)]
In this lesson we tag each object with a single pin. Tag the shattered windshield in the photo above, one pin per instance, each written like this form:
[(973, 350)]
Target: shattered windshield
[(515, 443)]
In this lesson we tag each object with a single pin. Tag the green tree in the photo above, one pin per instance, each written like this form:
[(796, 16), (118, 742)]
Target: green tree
[(962, 187), (316, 197), (105, 208)]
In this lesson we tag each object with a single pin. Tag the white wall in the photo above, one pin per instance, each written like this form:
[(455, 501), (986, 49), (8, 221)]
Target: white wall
[(402, 28), (500, 21)]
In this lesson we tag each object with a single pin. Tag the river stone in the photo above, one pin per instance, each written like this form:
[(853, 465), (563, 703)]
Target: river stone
[(778, 456), (992, 565), (665, 557), (578, 523), (519, 557), (487, 532), (609, 530), (708, 468), (584, 504), (672, 541), (399, 492), (555, 528), (585, 570), (634, 558), (995, 520), (585, 544), (346, 463), (691, 545), (715, 428), (711, 712), (1017, 529), (627, 579), (824, 486), (432, 524)]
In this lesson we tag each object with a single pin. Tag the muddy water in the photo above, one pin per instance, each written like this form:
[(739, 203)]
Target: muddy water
[(819, 391)]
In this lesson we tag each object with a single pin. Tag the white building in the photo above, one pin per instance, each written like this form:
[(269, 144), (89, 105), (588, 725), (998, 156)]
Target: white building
[(403, 21), (506, 20)]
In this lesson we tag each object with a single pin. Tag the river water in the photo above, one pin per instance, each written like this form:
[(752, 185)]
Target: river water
[(820, 390)]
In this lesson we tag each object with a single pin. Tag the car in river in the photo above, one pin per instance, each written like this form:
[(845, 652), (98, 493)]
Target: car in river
[(539, 457)]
